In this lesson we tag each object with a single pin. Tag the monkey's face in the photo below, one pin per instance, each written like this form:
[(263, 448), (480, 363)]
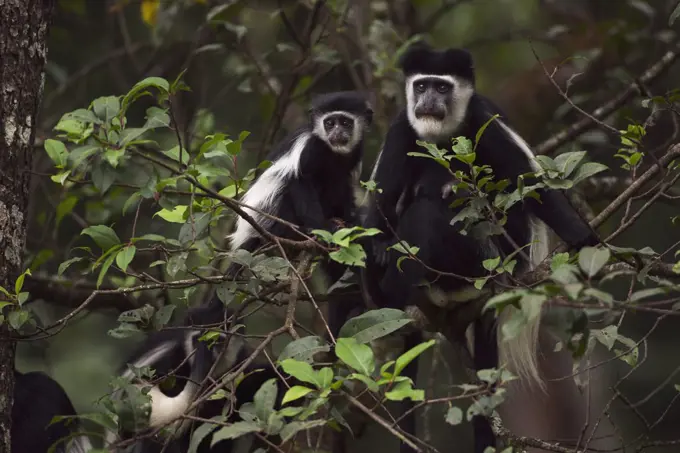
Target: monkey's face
[(342, 131), (432, 98), (436, 104), (339, 130)]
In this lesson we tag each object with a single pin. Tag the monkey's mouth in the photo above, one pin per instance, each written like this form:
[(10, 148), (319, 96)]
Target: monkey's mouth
[(338, 140), (436, 115)]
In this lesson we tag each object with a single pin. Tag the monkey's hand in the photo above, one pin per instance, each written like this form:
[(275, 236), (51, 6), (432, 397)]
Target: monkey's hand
[(338, 223)]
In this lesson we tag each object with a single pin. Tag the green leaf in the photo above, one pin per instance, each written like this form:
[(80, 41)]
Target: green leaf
[(352, 255), (162, 316), (587, 170), (201, 432), (304, 349), (66, 264), (502, 300), (674, 15), (265, 398), (156, 117), (174, 216), (106, 108), (125, 257), (60, 178), (607, 336), (105, 268), (410, 355), (301, 371), (368, 382), (567, 162), (294, 393), (178, 154), (103, 176), (234, 430), (18, 318), (492, 263), (454, 416), (559, 260), (19, 283), (481, 130), (324, 378), (591, 260), (66, 207), (57, 152), (102, 235), (403, 390), (374, 324), (150, 82), (646, 293), (356, 355), (293, 428)]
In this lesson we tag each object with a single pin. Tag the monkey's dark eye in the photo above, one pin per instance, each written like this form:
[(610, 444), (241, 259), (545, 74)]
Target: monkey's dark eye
[(328, 123), (346, 122), (419, 87), (443, 88)]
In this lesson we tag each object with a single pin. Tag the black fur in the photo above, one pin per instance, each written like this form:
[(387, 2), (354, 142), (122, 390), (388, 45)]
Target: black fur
[(37, 399), (174, 362), (411, 203)]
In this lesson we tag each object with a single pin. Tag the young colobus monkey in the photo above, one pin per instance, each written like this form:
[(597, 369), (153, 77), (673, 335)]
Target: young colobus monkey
[(37, 399), (179, 353), (441, 104), (312, 178)]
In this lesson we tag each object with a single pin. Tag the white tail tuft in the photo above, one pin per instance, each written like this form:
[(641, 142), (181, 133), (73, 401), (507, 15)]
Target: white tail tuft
[(80, 444), (519, 353)]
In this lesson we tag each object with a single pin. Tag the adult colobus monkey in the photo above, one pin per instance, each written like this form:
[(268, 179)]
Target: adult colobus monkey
[(37, 399), (441, 104), (180, 354), (312, 178)]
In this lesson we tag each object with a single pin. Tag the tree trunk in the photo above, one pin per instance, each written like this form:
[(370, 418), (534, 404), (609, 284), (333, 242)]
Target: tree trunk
[(23, 51)]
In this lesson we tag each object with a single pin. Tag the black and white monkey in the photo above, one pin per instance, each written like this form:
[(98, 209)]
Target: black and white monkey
[(441, 104), (313, 176), (313, 173), (180, 354), (37, 400)]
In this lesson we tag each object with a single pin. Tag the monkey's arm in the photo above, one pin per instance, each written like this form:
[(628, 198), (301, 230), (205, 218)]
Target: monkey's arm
[(508, 155), (392, 176), (307, 205)]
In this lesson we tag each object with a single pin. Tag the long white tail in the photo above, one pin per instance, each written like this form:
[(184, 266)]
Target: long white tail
[(80, 444), (519, 353)]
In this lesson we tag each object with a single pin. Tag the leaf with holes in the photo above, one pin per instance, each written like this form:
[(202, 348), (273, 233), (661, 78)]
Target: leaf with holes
[(265, 398), (374, 324), (304, 349)]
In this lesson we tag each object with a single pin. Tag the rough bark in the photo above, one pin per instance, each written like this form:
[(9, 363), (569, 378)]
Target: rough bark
[(23, 50)]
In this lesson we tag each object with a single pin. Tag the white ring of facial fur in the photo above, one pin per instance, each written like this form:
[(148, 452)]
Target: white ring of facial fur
[(432, 130), (357, 131)]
